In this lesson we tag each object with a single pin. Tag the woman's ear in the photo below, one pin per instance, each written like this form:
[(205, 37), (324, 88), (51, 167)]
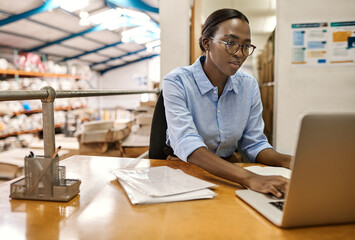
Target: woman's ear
[(206, 43)]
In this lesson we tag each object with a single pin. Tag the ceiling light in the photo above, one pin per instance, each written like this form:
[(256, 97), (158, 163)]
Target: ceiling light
[(157, 49), (72, 6), (107, 16), (270, 24), (153, 46), (135, 14), (139, 35), (134, 31), (84, 19)]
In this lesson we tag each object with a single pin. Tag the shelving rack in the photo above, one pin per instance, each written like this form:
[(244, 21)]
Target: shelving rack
[(22, 73), (47, 95)]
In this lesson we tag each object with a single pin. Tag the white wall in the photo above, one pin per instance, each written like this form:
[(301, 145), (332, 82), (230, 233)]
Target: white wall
[(124, 78), (302, 89), (175, 34), (175, 52)]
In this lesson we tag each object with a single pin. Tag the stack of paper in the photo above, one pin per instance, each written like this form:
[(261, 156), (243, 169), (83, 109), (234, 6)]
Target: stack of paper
[(268, 171), (162, 184)]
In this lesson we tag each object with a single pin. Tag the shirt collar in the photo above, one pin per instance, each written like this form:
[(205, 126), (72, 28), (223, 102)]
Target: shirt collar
[(232, 83), (204, 83), (201, 79)]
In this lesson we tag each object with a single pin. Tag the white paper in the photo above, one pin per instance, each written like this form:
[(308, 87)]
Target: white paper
[(268, 171), (137, 197), (160, 181), (162, 184)]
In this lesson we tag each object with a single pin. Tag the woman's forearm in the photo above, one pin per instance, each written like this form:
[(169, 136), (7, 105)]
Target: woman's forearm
[(270, 157), (205, 159)]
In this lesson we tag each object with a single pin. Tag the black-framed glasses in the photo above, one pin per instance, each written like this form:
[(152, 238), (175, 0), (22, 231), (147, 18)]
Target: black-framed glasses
[(232, 47)]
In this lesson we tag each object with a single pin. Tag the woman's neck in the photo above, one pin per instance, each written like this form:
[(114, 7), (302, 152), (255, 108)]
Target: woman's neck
[(216, 77)]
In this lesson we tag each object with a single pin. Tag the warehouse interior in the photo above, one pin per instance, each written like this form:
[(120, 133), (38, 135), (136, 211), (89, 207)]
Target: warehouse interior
[(92, 44), (131, 45), (80, 84)]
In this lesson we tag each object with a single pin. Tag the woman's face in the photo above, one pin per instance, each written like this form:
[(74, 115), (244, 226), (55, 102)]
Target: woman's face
[(232, 30)]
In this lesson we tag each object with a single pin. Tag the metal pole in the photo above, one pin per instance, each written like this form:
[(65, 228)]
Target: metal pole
[(47, 96), (97, 93), (48, 121), (22, 95), (42, 94)]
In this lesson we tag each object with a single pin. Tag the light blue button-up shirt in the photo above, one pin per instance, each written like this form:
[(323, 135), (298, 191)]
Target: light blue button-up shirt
[(197, 118)]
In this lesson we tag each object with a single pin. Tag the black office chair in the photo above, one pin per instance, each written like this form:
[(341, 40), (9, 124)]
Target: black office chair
[(157, 147)]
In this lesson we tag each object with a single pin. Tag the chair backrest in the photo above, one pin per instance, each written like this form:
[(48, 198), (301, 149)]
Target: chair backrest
[(158, 131)]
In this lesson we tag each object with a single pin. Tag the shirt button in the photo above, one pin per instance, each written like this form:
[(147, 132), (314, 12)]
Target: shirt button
[(218, 110), (214, 92), (221, 131)]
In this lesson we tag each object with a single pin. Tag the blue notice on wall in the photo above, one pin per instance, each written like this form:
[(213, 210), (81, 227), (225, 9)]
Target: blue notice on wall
[(323, 43), (316, 44), (298, 38)]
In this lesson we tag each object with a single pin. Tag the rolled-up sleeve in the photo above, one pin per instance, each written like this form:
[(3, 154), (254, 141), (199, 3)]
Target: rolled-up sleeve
[(182, 132), (253, 140)]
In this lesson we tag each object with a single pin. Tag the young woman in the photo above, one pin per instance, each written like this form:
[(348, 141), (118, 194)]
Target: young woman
[(211, 107)]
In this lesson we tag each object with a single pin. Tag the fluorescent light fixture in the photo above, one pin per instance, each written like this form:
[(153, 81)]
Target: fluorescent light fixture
[(153, 46), (84, 19), (270, 24), (73, 5), (157, 49), (142, 39), (125, 39), (107, 16), (134, 32), (139, 35), (135, 14), (84, 14)]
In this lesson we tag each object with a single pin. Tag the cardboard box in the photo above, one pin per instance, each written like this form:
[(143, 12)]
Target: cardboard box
[(104, 136), (101, 149), (102, 125), (148, 104), (134, 151), (144, 119), (98, 125)]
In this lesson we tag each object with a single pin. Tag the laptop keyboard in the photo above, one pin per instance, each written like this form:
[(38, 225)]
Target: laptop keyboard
[(278, 204)]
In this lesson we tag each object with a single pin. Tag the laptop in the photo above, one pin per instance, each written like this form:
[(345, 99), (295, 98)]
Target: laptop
[(322, 184)]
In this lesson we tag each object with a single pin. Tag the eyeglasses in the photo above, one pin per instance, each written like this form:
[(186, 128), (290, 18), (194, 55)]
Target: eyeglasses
[(233, 47)]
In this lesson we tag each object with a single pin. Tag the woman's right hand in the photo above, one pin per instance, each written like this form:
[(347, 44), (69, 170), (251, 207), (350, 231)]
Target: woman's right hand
[(267, 184), (210, 162)]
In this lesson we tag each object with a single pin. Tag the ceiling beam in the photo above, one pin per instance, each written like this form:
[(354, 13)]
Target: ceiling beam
[(127, 63), (115, 58), (92, 51), (137, 4), (49, 4), (37, 39), (93, 29), (56, 28), (98, 27)]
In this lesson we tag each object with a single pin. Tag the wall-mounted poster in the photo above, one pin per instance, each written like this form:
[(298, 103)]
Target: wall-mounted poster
[(342, 49), (323, 43)]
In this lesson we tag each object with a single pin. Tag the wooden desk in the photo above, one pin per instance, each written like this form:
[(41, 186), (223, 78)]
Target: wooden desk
[(102, 211)]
